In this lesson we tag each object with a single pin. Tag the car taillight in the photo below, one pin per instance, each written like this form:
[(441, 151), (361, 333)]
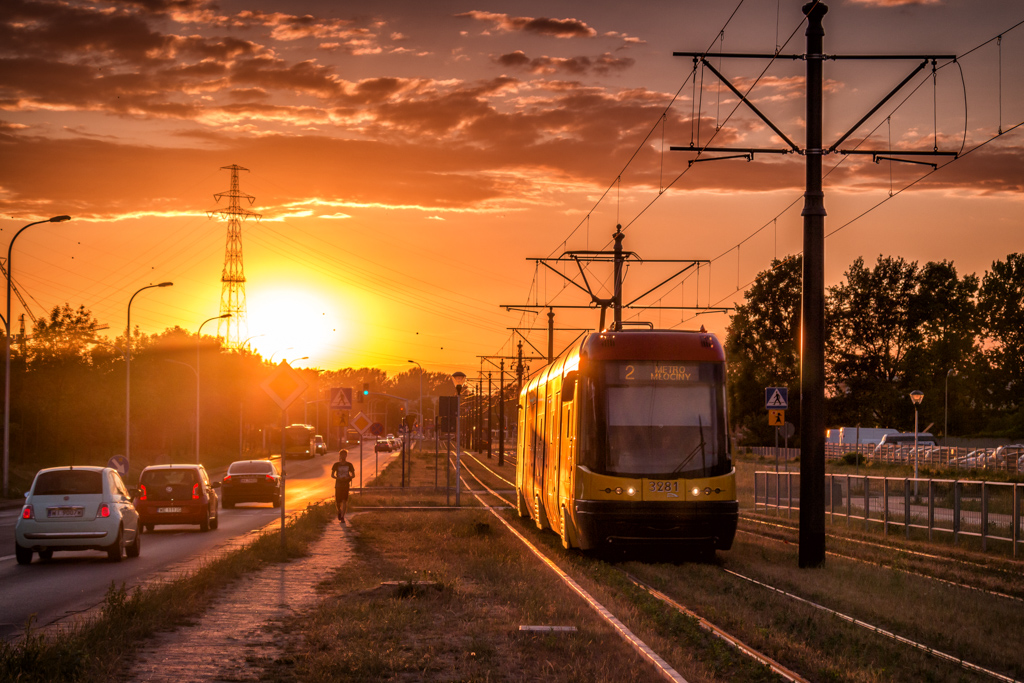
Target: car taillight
[(26, 512), (195, 491), (227, 478), (142, 492), (270, 477), (104, 510)]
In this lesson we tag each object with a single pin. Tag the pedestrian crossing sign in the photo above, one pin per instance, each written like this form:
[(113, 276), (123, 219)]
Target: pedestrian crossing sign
[(776, 398)]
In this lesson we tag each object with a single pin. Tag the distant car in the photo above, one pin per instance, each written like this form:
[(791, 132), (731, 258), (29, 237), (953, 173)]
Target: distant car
[(251, 481), (383, 445), (77, 508), (177, 494), (321, 447)]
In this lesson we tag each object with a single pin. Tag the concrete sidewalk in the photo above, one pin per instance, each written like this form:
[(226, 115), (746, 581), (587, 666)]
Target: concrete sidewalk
[(233, 637)]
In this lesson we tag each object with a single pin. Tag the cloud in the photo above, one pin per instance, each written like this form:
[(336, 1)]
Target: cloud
[(602, 65), (557, 28)]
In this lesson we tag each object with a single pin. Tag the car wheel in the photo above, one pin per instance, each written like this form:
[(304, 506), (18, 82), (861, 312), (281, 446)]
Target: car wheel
[(136, 547), (277, 501), (227, 504), (205, 524), (215, 522), (148, 528), (115, 551), (46, 554), (24, 555)]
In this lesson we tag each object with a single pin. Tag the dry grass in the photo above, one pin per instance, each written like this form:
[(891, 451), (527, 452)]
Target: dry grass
[(488, 585)]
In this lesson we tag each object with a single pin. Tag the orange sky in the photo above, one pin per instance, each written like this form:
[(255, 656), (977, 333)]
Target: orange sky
[(408, 158)]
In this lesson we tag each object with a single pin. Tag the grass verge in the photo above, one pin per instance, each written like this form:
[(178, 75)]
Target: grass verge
[(99, 650)]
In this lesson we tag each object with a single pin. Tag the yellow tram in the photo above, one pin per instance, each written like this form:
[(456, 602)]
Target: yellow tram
[(623, 442)]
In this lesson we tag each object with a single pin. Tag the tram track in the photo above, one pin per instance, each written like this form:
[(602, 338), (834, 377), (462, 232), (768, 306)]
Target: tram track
[(644, 649), (473, 463), (1010, 574)]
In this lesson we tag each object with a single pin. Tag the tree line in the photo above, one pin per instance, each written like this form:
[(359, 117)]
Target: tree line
[(69, 391), (892, 327)]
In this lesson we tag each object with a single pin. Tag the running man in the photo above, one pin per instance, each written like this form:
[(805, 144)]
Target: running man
[(343, 473)]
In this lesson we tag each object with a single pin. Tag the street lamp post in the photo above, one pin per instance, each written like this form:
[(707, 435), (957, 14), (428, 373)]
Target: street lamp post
[(916, 397), (421, 398), (128, 373), (945, 413), (7, 347), (459, 379), (199, 336)]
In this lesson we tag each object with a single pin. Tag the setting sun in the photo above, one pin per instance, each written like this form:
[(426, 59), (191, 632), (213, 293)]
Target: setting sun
[(291, 322)]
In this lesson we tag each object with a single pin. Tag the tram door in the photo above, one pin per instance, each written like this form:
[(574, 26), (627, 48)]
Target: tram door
[(540, 451), (553, 448)]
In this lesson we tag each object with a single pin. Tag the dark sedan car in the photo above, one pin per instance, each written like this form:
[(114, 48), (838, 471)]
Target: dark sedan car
[(251, 481), (177, 494)]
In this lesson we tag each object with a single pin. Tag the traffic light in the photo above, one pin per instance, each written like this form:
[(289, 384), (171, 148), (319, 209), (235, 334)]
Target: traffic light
[(365, 392)]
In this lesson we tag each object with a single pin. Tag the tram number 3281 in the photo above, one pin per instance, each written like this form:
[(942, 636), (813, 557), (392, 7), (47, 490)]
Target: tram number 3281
[(664, 486)]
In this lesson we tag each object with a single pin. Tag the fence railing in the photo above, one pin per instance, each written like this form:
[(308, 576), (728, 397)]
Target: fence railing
[(955, 458), (945, 508)]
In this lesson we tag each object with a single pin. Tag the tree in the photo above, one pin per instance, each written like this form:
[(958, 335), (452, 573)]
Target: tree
[(763, 348), (872, 325), (1001, 317)]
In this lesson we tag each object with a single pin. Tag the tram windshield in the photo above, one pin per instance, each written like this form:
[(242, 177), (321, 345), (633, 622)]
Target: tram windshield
[(664, 419)]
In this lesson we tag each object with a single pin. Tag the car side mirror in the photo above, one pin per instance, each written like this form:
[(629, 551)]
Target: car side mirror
[(215, 484), (133, 493)]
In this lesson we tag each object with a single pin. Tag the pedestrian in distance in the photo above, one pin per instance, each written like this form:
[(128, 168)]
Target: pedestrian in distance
[(343, 473)]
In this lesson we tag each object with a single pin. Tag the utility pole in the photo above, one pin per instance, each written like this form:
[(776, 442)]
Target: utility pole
[(812, 316), (812, 311), (232, 291), (501, 415)]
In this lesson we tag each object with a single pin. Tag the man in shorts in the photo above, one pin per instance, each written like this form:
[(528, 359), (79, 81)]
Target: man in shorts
[(343, 473)]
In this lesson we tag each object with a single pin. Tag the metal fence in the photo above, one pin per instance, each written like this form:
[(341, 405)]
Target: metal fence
[(955, 458), (946, 509)]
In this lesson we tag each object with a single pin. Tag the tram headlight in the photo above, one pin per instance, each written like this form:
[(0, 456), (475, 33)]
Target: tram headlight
[(695, 491), (618, 490), (631, 491), (707, 491)]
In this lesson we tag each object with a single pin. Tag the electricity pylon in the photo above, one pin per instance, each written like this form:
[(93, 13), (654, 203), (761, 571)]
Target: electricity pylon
[(232, 290)]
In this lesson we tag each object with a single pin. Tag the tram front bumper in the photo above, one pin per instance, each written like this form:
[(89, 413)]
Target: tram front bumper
[(602, 523)]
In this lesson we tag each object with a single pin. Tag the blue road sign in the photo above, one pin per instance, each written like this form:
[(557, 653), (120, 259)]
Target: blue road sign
[(119, 463), (776, 398)]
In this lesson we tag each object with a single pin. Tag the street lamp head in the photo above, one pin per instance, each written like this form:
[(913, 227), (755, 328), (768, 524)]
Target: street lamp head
[(916, 397), (226, 315), (166, 284), (60, 219), (952, 372), (459, 379)]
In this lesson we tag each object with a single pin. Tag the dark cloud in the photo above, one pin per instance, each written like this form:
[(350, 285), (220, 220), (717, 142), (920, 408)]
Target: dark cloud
[(602, 65), (557, 28)]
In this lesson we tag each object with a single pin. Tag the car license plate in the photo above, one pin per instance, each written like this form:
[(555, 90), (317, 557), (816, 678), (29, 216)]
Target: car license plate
[(248, 480), (64, 512), (163, 510)]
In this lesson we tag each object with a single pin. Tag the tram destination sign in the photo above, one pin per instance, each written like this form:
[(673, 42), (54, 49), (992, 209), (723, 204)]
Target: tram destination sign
[(659, 372)]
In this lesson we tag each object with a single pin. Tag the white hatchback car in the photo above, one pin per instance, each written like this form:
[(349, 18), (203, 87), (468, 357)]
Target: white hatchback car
[(77, 508)]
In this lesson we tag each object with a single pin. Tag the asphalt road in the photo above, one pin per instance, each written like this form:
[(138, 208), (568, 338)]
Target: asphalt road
[(73, 582)]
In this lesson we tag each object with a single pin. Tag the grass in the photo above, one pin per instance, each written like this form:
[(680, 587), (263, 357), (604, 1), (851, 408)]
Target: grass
[(481, 584), (100, 650)]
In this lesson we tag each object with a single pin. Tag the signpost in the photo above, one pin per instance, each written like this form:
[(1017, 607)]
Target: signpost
[(284, 385), (776, 400)]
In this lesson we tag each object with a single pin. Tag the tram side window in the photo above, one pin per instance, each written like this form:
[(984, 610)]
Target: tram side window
[(587, 453)]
